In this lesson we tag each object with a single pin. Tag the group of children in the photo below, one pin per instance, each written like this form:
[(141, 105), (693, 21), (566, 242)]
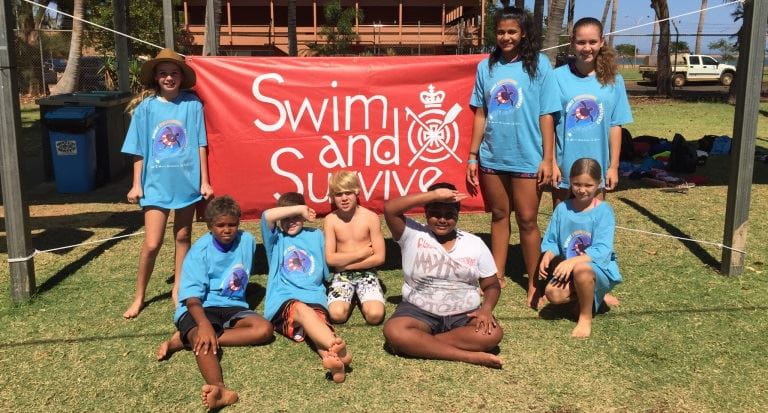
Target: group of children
[(531, 122)]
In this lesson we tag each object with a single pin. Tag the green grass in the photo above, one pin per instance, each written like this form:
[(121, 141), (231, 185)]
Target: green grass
[(30, 130), (684, 339), (630, 73)]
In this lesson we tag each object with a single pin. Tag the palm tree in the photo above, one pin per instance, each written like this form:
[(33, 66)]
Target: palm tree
[(613, 21), (605, 12), (68, 81), (555, 23), (701, 26), (211, 40), (662, 60), (571, 7), (653, 38), (292, 42)]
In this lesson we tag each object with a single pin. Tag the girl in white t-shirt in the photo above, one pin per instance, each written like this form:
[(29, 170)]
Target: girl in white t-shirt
[(442, 315)]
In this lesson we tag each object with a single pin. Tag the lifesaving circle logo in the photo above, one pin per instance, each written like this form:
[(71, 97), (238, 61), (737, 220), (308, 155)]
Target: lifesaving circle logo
[(169, 139), (433, 135), (505, 96), (583, 111), (577, 243)]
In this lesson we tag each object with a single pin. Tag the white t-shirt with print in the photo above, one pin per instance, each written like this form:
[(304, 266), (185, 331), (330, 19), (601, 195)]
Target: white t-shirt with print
[(439, 281)]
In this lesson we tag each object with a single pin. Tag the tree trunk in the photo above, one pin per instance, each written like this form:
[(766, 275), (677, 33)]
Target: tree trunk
[(663, 72), (211, 39), (654, 39), (555, 26), (520, 4), (571, 7), (538, 14), (292, 42), (613, 21), (68, 81), (605, 12), (701, 26)]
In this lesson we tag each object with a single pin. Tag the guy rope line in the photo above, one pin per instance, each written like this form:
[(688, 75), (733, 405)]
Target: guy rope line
[(96, 24), (651, 22), (36, 251)]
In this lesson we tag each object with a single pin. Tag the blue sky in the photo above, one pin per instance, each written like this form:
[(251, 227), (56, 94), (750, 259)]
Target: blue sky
[(632, 12)]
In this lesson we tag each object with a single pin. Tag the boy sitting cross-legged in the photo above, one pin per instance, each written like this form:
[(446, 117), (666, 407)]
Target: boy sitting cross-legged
[(295, 301), (354, 247), (212, 310)]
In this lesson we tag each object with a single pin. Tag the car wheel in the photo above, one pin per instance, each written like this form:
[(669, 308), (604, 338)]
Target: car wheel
[(678, 80), (726, 79)]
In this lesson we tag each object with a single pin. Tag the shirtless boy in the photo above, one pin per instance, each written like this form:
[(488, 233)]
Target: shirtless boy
[(354, 246)]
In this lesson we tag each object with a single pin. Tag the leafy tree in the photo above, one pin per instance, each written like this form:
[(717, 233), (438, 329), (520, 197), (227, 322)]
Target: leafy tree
[(144, 22), (338, 30), (626, 50), (554, 24), (489, 31), (726, 49), (679, 47)]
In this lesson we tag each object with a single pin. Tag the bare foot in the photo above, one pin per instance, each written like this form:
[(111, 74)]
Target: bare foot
[(134, 310), (334, 364), (339, 348), (533, 299), (582, 330), (167, 348), (217, 396), (485, 359), (611, 301), (502, 281)]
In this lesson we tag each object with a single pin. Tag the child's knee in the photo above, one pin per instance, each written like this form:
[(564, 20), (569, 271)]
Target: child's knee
[(373, 312), (583, 273), (152, 247), (184, 235), (263, 331), (493, 340), (392, 334), (499, 213), (557, 295), (338, 312), (527, 223)]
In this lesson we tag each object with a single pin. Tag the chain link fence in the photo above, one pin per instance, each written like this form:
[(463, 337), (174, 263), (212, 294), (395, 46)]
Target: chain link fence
[(42, 59)]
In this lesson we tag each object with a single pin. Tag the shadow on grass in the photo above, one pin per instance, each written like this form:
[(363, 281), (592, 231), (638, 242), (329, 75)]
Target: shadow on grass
[(73, 267), (75, 340), (700, 253)]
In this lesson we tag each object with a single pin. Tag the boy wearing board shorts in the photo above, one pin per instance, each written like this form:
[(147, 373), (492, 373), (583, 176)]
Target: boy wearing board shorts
[(354, 247)]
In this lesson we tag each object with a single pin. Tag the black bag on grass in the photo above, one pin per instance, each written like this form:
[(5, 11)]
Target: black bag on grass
[(627, 149), (683, 157)]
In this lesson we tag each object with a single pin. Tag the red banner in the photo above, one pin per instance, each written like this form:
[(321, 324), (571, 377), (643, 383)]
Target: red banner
[(285, 124)]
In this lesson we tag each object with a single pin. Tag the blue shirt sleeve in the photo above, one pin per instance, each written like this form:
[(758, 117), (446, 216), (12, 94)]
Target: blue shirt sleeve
[(202, 137), (134, 143), (549, 240), (601, 249), (478, 92), (622, 114), (549, 92), (194, 277)]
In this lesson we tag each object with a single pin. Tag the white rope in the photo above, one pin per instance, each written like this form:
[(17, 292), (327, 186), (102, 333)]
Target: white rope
[(652, 22), (717, 244), (98, 241), (97, 25)]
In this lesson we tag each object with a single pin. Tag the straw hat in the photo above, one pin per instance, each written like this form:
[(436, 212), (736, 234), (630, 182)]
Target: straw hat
[(147, 74)]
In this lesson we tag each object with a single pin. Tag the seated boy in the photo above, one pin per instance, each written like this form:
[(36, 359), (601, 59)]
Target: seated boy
[(212, 310), (354, 246), (295, 301)]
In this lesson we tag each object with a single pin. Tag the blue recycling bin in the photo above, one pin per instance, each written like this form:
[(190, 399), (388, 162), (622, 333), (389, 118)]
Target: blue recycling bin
[(73, 147)]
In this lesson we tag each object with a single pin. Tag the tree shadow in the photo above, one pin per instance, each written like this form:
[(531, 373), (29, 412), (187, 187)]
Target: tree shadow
[(53, 238), (254, 294), (700, 253), (515, 265)]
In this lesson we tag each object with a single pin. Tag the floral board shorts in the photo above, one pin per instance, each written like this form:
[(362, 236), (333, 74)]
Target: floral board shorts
[(346, 283)]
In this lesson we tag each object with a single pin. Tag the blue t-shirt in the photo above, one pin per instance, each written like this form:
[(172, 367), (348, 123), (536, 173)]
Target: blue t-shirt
[(513, 103), (168, 135), (217, 277), (571, 233), (297, 267), (588, 110)]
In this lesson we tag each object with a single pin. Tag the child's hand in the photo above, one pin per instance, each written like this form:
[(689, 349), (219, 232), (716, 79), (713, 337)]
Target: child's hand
[(135, 194), (485, 323), (206, 190), (472, 175), (448, 195), (544, 174), (611, 179), (308, 213), (206, 340), (564, 270), (544, 264), (366, 251), (557, 175)]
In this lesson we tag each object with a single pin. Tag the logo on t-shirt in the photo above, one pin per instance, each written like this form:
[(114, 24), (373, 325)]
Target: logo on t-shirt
[(234, 285), (297, 262), (505, 96), (577, 243), (583, 111), (169, 139)]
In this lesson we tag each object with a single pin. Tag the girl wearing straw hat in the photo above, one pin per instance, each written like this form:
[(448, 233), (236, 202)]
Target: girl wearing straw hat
[(170, 170)]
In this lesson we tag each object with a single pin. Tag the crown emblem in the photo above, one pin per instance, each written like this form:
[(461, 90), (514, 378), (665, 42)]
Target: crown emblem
[(432, 99)]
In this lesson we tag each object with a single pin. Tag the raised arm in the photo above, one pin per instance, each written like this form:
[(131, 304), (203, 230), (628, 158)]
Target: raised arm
[(395, 209), (273, 215)]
